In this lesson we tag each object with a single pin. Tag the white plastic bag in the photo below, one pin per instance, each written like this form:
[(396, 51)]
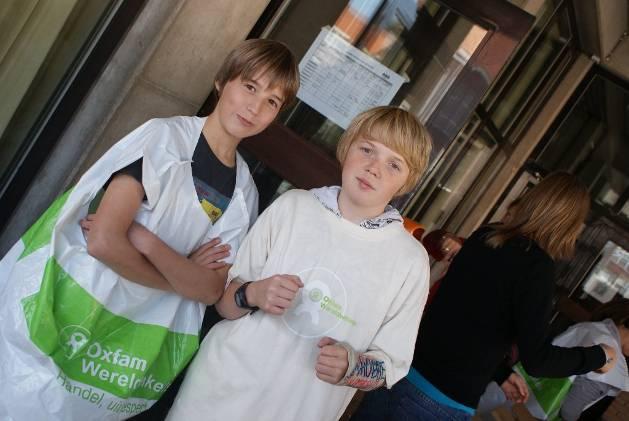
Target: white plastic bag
[(78, 342), (547, 395)]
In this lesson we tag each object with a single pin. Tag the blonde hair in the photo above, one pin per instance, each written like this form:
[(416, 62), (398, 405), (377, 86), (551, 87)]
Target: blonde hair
[(551, 214), (262, 56), (399, 131)]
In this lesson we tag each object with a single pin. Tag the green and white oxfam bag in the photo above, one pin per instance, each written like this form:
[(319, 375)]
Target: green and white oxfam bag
[(546, 394), (77, 341)]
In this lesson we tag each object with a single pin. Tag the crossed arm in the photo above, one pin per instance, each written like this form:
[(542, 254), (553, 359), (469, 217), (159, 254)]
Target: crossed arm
[(140, 256)]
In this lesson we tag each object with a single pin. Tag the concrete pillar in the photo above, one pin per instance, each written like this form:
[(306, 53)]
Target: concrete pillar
[(179, 75)]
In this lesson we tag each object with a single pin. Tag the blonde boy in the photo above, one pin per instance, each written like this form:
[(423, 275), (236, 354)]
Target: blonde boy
[(340, 288)]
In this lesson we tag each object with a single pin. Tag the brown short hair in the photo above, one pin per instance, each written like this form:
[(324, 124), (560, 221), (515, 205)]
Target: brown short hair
[(398, 130), (255, 56), (551, 214)]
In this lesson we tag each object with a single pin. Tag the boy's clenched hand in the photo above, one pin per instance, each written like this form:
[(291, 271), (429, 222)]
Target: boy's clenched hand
[(274, 294), (332, 362)]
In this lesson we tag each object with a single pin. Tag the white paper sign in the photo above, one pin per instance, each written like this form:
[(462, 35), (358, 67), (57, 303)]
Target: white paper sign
[(340, 81)]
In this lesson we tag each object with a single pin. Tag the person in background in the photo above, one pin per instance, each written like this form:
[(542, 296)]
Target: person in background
[(511, 210), (587, 390), (441, 246), (498, 290)]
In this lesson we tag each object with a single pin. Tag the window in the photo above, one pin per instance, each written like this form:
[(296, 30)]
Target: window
[(479, 151), (444, 53)]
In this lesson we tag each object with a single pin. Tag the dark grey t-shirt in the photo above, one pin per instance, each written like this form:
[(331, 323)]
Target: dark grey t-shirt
[(214, 182), (582, 393)]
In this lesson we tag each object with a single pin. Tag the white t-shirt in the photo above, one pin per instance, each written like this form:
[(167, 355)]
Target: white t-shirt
[(364, 287)]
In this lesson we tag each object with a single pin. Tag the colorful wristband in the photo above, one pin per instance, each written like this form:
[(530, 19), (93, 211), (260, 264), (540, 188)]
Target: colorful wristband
[(352, 359)]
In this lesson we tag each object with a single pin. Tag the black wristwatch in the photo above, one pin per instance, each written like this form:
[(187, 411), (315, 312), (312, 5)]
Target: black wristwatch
[(240, 297)]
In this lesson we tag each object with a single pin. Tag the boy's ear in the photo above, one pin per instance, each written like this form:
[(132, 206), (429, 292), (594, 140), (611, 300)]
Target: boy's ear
[(217, 86)]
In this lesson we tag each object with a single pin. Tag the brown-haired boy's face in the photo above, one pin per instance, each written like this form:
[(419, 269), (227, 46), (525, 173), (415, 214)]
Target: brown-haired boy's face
[(247, 107), (373, 173)]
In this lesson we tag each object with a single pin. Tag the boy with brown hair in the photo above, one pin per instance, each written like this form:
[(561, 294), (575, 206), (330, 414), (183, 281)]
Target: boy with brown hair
[(256, 80), (97, 324), (339, 283)]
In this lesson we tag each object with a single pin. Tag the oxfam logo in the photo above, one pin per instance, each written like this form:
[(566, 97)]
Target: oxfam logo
[(72, 339), (315, 295), (310, 316)]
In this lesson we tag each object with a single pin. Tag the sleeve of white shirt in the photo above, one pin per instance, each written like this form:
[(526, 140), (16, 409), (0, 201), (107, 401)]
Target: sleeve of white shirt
[(254, 251), (394, 342)]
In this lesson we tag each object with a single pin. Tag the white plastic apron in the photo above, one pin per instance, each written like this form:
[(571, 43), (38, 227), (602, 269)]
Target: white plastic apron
[(77, 341)]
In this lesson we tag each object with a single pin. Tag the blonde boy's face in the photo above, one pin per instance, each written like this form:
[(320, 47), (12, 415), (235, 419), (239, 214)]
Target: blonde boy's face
[(246, 107), (372, 173)]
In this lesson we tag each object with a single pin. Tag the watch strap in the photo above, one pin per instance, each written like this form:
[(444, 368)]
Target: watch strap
[(240, 297)]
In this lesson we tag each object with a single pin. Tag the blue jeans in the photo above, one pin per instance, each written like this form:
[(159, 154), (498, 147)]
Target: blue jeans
[(404, 402)]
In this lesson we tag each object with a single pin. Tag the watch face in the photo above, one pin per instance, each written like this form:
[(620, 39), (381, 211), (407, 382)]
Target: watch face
[(240, 297)]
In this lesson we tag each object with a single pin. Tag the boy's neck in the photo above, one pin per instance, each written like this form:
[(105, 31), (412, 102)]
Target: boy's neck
[(222, 144), (356, 213)]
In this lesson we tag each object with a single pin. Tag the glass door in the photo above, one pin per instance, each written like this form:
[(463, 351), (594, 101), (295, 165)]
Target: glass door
[(433, 58), (50, 53), (461, 178)]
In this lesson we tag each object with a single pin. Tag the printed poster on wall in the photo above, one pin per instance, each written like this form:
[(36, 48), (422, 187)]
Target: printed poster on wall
[(340, 81)]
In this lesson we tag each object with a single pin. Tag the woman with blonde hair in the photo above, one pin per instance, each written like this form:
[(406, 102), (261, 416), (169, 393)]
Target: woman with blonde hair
[(498, 291)]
